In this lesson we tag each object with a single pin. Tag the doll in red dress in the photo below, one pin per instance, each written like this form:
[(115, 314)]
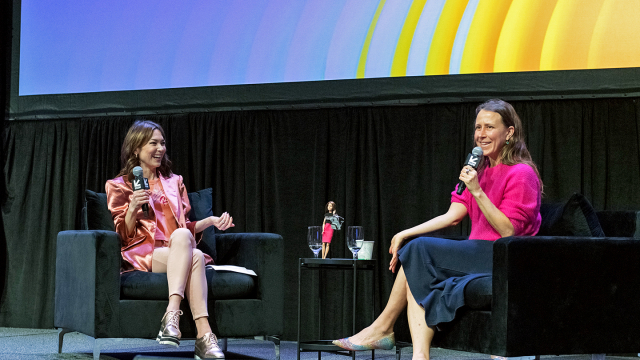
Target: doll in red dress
[(327, 230)]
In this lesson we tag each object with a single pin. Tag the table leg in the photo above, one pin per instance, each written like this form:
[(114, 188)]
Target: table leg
[(355, 286), (299, 275)]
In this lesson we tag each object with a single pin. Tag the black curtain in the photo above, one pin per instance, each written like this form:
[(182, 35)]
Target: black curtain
[(387, 168), (6, 27)]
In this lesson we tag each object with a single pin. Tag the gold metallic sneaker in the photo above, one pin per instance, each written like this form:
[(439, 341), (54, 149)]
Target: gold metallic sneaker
[(169, 331), (207, 347)]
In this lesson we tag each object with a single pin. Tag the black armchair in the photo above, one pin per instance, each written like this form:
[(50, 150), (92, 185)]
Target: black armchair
[(92, 297), (556, 295)]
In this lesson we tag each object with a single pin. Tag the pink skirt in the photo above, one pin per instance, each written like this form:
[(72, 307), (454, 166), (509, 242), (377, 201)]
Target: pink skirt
[(328, 233)]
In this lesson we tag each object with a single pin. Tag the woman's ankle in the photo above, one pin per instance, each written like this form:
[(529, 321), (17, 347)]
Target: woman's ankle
[(202, 326), (420, 356), (381, 327)]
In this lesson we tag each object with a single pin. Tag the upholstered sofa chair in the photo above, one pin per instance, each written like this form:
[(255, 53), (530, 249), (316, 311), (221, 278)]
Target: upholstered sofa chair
[(572, 289), (93, 298)]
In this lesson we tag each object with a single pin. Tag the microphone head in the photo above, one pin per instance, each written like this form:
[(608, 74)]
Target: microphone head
[(137, 171), (477, 151)]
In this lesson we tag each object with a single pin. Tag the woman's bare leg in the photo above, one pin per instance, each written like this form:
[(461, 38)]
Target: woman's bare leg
[(383, 325), (421, 334)]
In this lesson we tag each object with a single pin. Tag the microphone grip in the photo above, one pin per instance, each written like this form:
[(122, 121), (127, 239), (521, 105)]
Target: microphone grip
[(145, 207), (461, 187)]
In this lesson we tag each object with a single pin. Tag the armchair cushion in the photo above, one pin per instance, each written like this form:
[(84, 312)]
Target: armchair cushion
[(576, 217), (201, 207), (141, 285), (98, 216), (478, 293)]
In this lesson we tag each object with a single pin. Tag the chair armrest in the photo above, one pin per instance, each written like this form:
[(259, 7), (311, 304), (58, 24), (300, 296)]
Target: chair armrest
[(260, 252), (87, 289), (566, 295)]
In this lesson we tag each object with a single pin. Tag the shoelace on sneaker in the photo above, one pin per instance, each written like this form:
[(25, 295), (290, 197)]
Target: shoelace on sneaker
[(213, 340), (174, 317)]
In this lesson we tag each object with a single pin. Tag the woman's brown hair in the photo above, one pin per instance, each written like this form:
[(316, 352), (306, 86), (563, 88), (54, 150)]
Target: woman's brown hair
[(326, 207), (515, 152), (138, 136)]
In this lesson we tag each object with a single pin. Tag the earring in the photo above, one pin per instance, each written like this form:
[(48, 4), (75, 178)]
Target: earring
[(507, 141)]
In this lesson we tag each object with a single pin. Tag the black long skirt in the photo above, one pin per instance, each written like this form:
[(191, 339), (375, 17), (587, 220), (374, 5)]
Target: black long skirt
[(437, 271)]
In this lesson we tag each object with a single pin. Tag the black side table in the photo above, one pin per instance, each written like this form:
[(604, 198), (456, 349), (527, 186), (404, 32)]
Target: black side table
[(340, 264)]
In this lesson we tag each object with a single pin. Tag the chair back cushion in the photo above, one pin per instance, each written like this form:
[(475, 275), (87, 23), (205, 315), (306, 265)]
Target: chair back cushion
[(201, 207), (98, 216), (576, 217)]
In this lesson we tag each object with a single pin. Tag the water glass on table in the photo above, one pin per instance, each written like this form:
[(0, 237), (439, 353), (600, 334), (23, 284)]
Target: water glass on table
[(314, 239), (355, 239)]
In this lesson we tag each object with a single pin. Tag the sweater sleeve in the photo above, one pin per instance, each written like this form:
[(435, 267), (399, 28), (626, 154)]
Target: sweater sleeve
[(521, 200), (464, 199)]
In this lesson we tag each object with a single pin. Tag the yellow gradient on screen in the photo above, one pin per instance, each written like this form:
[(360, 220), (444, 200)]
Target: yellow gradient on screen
[(444, 36), (484, 32), (401, 55), (566, 45), (522, 36), (616, 37), (367, 41)]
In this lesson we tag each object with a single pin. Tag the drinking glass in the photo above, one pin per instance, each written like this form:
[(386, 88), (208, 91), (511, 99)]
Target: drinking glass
[(355, 238), (314, 239)]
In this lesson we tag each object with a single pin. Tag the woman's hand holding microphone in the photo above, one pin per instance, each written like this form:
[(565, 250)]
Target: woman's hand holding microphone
[(139, 198), (470, 177)]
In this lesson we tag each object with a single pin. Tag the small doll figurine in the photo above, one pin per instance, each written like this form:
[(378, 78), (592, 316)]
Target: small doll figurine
[(327, 229)]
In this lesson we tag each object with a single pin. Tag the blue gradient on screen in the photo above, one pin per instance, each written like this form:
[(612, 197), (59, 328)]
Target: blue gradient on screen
[(90, 46), (267, 59), (232, 49), (350, 33), (306, 59), (195, 48)]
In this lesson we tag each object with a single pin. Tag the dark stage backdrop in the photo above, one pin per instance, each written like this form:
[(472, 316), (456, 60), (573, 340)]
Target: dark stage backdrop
[(387, 168)]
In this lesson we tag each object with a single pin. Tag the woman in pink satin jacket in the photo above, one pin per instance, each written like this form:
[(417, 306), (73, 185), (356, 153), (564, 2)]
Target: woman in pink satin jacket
[(162, 239)]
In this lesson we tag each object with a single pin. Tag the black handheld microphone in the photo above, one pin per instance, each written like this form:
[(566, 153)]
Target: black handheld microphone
[(473, 160), (139, 183)]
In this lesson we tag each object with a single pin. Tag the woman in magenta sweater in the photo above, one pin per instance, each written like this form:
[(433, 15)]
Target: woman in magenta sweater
[(502, 199)]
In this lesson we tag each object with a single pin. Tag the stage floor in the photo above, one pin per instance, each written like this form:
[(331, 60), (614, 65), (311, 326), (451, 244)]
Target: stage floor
[(43, 344)]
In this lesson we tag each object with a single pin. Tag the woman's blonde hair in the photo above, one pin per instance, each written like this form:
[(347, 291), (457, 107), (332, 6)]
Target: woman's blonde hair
[(138, 136), (515, 152)]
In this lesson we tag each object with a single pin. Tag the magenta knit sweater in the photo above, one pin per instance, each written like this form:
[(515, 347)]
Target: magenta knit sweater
[(514, 190)]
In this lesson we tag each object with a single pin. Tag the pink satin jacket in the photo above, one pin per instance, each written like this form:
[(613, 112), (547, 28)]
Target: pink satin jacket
[(137, 250)]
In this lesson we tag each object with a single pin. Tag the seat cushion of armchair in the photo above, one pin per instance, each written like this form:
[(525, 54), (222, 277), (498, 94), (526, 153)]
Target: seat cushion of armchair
[(477, 293), (223, 285)]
